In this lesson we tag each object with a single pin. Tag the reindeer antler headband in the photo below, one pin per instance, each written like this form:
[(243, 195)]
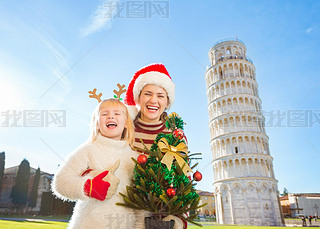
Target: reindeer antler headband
[(120, 92), (93, 93)]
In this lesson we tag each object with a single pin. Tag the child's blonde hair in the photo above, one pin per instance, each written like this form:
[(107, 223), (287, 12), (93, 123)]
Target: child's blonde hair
[(128, 132)]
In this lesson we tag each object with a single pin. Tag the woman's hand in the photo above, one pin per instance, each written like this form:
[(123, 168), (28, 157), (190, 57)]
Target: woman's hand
[(178, 223)]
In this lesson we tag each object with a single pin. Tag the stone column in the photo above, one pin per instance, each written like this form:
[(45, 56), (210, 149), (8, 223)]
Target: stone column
[(274, 210), (260, 164), (260, 205), (231, 208), (246, 212), (248, 170)]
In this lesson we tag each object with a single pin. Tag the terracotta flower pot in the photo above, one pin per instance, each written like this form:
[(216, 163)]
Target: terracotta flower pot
[(152, 223)]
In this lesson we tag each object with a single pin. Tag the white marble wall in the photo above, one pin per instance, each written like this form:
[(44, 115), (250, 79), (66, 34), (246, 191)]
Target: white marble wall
[(250, 202), (245, 185)]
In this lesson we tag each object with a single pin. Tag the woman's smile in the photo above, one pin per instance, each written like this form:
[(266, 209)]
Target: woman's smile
[(153, 100)]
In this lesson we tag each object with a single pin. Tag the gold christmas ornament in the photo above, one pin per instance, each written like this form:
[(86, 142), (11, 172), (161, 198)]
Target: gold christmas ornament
[(174, 152)]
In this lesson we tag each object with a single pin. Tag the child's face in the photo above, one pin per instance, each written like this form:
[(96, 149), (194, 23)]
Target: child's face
[(112, 121)]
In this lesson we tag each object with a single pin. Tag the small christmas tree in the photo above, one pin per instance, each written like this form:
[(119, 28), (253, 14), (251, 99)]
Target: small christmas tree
[(161, 185)]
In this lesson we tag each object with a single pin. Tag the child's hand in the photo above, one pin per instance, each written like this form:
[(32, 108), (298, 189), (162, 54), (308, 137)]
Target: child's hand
[(97, 187), (112, 179)]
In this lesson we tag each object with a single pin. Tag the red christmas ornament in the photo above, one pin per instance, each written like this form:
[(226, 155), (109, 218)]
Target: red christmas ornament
[(197, 176), (178, 133), (171, 192), (142, 159)]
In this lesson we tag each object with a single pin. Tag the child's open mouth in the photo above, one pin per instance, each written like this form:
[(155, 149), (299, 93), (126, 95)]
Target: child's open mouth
[(111, 125)]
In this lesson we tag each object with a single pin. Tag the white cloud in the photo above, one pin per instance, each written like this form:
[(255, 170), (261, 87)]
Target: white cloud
[(310, 29), (24, 76), (101, 19), (58, 65)]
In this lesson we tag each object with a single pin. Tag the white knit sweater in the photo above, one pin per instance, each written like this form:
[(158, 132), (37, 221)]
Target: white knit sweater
[(68, 184)]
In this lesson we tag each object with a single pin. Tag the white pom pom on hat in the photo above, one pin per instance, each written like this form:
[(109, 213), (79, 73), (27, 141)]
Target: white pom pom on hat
[(155, 74)]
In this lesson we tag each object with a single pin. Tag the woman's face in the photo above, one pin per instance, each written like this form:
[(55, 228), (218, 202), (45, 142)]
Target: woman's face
[(153, 100)]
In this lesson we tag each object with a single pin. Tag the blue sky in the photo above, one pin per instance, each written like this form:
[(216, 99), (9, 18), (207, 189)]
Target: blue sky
[(53, 52)]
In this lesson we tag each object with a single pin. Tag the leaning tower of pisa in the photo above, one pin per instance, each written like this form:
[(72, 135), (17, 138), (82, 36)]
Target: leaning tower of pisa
[(245, 187)]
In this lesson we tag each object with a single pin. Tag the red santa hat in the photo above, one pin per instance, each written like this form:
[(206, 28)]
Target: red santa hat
[(155, 74)]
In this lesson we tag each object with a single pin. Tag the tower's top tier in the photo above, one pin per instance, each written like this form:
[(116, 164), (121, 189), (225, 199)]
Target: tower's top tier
[(227, 49)]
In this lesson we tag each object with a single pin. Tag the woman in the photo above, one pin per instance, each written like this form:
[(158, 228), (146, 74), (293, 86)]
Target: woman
[(152, 90)]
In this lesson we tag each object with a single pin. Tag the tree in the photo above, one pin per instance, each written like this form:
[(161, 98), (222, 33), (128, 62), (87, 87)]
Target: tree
[(19, 192), (2, 162), (34, 191), (285, 192), (161, 185)]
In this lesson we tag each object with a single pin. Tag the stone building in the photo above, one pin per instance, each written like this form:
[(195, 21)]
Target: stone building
[(245, 187), (285, 205), (307, 204), (8, 182), (206, 198)]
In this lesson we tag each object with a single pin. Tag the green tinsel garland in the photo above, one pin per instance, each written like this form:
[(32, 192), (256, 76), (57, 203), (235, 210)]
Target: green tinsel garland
[(174, 122)]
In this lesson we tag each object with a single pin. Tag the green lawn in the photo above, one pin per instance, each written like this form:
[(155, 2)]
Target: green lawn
[(62, 217), (233, 227), (6, 224), (210, 225)]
